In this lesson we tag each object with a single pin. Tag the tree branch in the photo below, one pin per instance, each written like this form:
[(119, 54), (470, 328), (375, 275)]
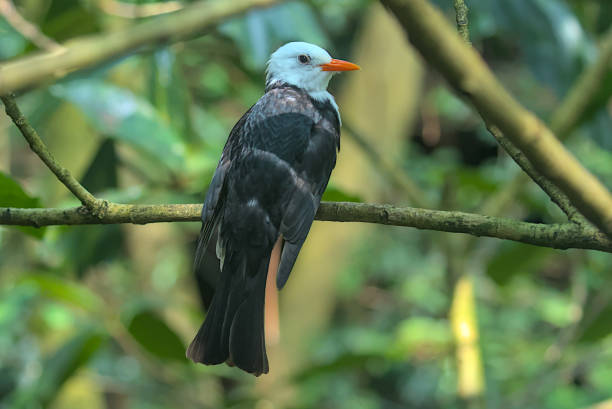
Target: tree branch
[(558, 197), (468, 73), (461, 16), (96, 206), (28, 71), (25, 28), (547, 186), (561, 236), (563, 121)]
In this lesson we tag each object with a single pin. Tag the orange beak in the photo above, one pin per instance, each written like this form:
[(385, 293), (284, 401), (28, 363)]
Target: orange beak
[(339, 65)]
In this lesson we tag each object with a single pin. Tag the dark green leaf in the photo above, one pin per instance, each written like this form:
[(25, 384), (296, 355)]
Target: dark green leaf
[(102, 172), (601, 325), (154, 335), (348, 361), (12, 195), (68, 19), (85, 246), (333, 194), (516, 258), (168, 91)]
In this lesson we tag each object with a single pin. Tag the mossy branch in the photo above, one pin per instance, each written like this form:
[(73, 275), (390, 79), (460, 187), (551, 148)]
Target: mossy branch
[(467, 72), (82, 53), (95, 206), (563, 121), (561, 236)]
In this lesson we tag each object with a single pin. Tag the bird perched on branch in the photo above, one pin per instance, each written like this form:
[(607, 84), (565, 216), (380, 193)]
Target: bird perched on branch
[(264, 194)]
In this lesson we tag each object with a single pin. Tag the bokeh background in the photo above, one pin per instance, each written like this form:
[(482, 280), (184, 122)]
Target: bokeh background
[(373, 316)]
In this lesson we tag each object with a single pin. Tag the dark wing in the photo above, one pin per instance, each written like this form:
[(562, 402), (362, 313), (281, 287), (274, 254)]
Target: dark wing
[(206, 265), (311, 176)]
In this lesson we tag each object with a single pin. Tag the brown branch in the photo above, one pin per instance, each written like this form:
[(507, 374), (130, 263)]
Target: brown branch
[(97, 207), (561, 236), (25, 28), (558, 197), (82, 53), (129, 10), (563, 121), (467, 72)]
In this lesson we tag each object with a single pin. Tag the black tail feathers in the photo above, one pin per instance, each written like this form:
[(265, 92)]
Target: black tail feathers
[(233, 330)]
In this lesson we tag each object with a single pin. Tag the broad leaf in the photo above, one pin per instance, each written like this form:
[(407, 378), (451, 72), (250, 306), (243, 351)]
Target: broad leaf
[(120, 114), (154, 335), (68, 292), (516, 258)]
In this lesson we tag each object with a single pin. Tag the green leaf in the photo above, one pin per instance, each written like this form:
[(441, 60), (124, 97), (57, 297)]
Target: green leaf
[(69, 19), (598, 328), (348, 361), (516, 258), (69, 292), (334, 194), (260, 31), (12, 42), (58, 368), (168, 91), (12, 195), (102, 172), (85, 246), (154, 335), (120, 114)]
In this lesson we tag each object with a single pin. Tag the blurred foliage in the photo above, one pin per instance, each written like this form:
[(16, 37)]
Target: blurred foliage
[(102, 314)]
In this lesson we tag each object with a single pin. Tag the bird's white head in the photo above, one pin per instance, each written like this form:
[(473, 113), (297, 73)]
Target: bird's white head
[(305, 66)]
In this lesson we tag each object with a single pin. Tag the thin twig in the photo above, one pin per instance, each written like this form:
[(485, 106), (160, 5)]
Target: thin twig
[(27, 29), (561, 236), (563, 120), (548, 187), (558, 197), (97, 207), (129, 10)]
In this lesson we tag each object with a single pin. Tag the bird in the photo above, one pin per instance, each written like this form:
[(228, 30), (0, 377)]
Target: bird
[(264, 195)]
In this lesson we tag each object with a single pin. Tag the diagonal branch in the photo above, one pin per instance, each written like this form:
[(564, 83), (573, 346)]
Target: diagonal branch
[(557, 196), (27, 71), (547, 186), (466, 71), (561, 236), (38, 146), (25, 28), (563, 121)]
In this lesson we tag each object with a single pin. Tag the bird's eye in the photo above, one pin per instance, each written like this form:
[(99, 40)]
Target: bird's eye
[(303, 58)]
